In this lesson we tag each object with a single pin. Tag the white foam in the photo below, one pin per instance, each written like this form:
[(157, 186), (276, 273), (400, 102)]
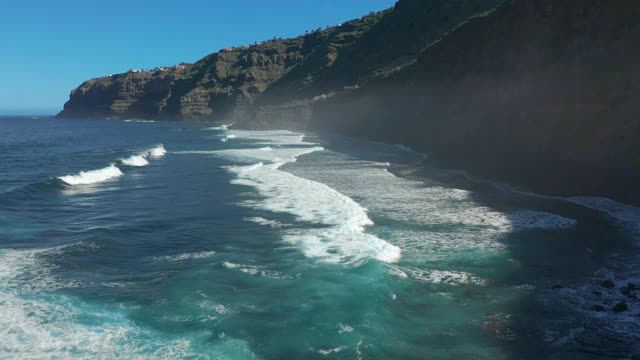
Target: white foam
[(410, 150), (139, 121), (221, 127), (529, 220), (250, 156), (157, 152), (38, 325), (343, 239), (93, 176), (446, 277), (581, 298), (255, 270), (627, 214), (219, 308), (345, 328), (135, 160), (327, 352), (141, 159), (186, 256), (228, 137), (273, 137), (342, 236), (441, 222), (266, 222)]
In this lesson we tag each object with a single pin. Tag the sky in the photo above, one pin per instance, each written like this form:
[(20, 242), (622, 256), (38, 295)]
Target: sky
[(49, 47)]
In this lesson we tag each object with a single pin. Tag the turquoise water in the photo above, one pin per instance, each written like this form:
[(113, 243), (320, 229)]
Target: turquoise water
[(155, 240)]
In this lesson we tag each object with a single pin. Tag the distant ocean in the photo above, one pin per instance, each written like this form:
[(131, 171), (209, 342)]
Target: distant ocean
[(161, 240)]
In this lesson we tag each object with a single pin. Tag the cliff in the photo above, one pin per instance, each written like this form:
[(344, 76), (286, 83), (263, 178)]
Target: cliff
[(222, 85), (538, 93), (238, 83)]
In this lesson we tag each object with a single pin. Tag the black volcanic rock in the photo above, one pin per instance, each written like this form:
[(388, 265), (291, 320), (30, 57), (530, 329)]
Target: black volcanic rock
[(620, 307)]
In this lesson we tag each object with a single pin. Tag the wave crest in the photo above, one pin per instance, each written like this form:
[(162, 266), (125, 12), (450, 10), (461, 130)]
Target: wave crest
[(158, 151), (93, 176), (135, 160)]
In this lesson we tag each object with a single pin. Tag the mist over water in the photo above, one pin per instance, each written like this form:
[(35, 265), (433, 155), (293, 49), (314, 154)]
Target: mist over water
[(230, 244)]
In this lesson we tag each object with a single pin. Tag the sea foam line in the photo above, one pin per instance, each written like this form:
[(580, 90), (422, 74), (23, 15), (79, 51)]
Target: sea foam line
[(342, 237)]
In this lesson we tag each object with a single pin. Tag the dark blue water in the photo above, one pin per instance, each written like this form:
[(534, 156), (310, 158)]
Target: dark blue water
[(157, 240)]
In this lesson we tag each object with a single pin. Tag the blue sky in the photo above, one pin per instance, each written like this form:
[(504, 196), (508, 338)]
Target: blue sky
[(48, 47)]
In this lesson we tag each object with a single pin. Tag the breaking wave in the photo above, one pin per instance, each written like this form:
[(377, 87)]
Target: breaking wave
[(341, 235), (158, 151), (93, 176), (112, 171), (135, 160)]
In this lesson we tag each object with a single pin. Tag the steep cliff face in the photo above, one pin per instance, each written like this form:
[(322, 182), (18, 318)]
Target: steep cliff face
[(223, 85), (135, 93), (247, 82), (213, 87), (538, 93)]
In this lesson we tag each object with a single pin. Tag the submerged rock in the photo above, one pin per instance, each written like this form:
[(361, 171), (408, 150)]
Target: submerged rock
[(620, 307), (598, 308), (628, 291), (608, 284)]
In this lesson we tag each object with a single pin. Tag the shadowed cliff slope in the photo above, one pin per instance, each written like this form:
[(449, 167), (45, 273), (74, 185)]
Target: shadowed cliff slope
[(538, 93)]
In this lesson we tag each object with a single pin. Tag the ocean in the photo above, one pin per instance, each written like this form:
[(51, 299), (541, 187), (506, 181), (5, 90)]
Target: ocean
[(166, 240)]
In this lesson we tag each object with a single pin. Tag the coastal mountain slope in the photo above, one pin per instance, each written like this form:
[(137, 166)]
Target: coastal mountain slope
[(219, 86), (267, 80), (538, 93)]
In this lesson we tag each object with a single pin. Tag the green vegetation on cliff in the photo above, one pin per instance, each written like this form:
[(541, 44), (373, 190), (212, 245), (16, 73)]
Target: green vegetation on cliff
[(238, 83), (223, 85)]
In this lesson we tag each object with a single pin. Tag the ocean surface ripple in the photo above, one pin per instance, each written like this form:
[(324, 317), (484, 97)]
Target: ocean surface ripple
[(234, 244)]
